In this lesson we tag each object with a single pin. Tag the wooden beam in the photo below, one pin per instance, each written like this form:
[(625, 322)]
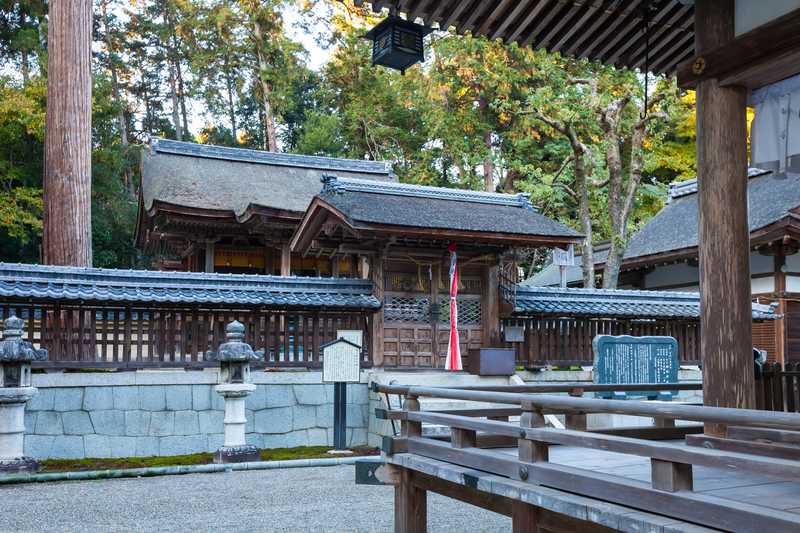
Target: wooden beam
[(754, 51), (209, 257), (725, 308), (410, 505)]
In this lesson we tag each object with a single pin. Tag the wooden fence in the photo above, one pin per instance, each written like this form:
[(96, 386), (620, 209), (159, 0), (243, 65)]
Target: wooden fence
[(568, 341), (779, 389), (164, 335)]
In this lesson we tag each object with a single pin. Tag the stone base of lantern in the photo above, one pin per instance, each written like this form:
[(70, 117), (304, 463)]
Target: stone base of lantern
[(19, 465), (12, 430), (237, 454)]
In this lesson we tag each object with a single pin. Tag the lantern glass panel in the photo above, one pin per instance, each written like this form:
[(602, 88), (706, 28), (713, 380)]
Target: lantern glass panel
[(12, 375), (237, 373), (408, 40)]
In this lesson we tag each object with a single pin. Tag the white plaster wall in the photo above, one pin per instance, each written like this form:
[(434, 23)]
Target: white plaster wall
[(792, 283), (793, 262), (761, 264), (761, 285), (750, 14), (666, 275)]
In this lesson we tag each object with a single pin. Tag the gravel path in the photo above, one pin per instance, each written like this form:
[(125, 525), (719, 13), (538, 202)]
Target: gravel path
[(298, 499)]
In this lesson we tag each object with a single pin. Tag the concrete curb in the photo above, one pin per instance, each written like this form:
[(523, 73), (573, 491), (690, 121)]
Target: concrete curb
[(175, 470)]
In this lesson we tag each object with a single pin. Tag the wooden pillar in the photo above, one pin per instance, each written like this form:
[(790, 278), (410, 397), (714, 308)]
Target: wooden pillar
[(725, 309), (524, 517), (286, 260), (335, 266), (376, 335), (490, 314), (209, 262), (410, 505), (780, 292)]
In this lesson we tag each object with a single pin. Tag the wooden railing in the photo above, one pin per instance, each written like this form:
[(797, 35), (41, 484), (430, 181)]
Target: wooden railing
[(164, 335), (668, 491), (568, 341), (779, 388)]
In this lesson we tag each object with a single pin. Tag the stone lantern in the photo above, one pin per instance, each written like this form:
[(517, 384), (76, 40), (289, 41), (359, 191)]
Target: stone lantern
[(16, 355), (234, 357)]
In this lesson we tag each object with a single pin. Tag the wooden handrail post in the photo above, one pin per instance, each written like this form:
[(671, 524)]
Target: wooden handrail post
[(531, 451), (575, 421), (670, 476), (410, 428), (410, 505)]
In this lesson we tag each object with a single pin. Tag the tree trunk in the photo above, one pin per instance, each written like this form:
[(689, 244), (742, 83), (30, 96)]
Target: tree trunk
[(231, 106), (24, 54), (587, 247), (176, 118), (271, 139), (67, 233), (115, 93)]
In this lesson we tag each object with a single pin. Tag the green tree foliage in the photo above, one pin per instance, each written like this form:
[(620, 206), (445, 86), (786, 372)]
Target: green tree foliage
[(477, 114)]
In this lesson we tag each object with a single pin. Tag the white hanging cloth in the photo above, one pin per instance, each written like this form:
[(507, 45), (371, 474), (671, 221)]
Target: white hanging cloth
[(775, 130)]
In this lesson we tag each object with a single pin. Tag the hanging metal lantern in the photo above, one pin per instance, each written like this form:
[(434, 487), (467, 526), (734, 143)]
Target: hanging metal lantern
[(397, 43)]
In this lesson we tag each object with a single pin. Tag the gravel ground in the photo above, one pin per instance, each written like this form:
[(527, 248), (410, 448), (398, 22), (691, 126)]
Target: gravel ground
[(298, 499)]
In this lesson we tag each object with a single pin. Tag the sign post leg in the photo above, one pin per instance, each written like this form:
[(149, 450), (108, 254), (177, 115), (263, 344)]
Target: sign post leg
[(340, 416)]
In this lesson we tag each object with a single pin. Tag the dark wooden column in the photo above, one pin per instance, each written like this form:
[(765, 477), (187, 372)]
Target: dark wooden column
[(491, 306), (524, 517), (376, 266), (286, 260), (410, 505), (725, 316)]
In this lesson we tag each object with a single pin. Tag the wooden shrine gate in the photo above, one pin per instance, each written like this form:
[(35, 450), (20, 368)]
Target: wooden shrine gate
[(417, 317)]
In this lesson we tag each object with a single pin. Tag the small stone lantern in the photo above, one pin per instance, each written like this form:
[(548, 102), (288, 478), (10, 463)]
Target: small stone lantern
[(234, 357), (16, 355)]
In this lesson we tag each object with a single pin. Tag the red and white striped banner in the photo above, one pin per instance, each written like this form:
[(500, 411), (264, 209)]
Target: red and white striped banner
[(453, 361)]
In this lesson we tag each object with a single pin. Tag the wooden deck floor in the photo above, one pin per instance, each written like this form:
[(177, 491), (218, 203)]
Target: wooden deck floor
[(769, 492), (739, 486)]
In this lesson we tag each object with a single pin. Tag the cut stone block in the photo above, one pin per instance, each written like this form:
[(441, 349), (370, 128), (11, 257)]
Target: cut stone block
[(325, 415), (201, 397), (67, 447), (126, 398), (122, 446), (97, 446), (182, 445), (110, 422), (317, 437), (257, 399), (310, 394), (305, 416), (152, 398), (162, 423), (77, 423), (42, 401), (146, 446), (98, 398), (211, 422), (178, 397), (68, 399), (279, 396), (49, 423), (277, 420), (137, 423), (186, 423), (38, 446)]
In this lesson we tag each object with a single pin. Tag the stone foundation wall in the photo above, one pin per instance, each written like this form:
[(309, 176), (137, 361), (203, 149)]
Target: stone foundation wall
[(151, 413)]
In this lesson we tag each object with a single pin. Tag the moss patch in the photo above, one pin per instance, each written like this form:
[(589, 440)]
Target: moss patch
[(275, 454)]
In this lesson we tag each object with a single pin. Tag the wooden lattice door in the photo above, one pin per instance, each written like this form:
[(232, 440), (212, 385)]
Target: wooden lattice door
[(409, 328)]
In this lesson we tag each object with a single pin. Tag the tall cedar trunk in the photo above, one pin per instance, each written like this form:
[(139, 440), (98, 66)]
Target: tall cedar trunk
[(271, 139), (231, 106), (173, 79), (725, 308), (115, 93), (24, 54), (67, 233), (182, 99)]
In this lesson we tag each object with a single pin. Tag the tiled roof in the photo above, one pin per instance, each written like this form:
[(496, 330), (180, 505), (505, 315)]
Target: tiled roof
[(607, 303), (417, 206), (686, 187), (97, 284), (229, 180)]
